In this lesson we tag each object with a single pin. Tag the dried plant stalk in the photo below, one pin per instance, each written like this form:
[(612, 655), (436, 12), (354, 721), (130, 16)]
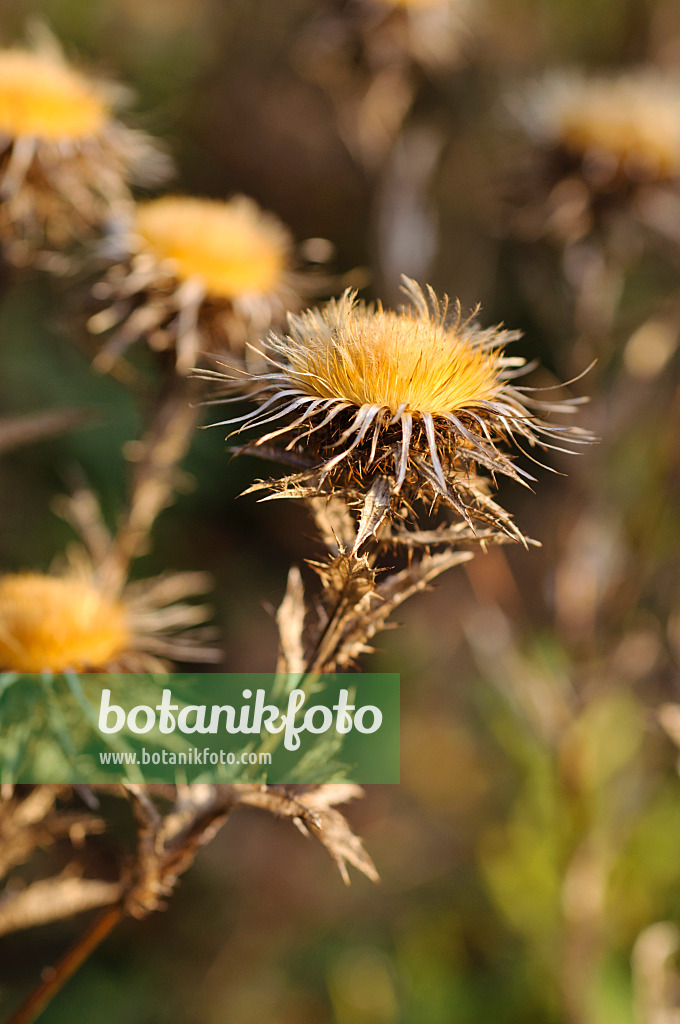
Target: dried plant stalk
[(16, 431), (398, 415), (156, 458), (173, 824)]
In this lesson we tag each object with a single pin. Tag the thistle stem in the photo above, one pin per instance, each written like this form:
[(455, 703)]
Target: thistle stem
[(56, 977), (156, 457), (321, 659)]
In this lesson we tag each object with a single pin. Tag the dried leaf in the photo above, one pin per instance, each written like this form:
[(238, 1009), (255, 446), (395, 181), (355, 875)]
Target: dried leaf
[(167, 845), (290, 619), (273, 454), (53, 899), (334, 521), (34, 821), (375, 508), (346, 577), (314, 813), (371, 614)]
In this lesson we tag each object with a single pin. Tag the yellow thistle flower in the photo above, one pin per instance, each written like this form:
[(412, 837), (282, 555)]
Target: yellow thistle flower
[(64, 159), (71, 622), (630, 121), (197, 274), (365, 391), (234, 248), (45, 98)]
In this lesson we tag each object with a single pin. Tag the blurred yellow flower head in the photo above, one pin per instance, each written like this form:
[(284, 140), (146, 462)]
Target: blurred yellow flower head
[(41, 96), (632, 119), (196, 275), (71, 621), (57, 623), (65, 161), (233, 248)]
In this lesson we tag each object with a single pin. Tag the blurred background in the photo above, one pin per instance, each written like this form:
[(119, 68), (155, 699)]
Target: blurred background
[(530, 858)]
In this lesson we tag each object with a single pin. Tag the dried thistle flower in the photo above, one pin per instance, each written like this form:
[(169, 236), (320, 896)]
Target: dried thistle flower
[(407, 396), (65, 160), (601, 143), (71, 621), (628, 124), (196, 275), (368, 57)]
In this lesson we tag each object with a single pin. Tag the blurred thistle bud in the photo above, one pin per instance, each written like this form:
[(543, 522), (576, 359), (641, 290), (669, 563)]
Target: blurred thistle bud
[(65, 161), (196, 275), (409, 397)]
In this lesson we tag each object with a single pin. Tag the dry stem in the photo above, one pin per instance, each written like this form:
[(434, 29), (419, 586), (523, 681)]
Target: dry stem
[(155, 476)]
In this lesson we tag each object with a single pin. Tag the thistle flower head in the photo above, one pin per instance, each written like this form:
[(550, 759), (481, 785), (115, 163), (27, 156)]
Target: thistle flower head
[(196, 275), (363, 392), (631, 120), (71, 622), (47, 622), (65, 161), (233, 248), (40, 96)]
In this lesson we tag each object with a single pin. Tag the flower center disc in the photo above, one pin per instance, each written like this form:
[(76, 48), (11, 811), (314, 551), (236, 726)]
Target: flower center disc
[(394, 360)]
